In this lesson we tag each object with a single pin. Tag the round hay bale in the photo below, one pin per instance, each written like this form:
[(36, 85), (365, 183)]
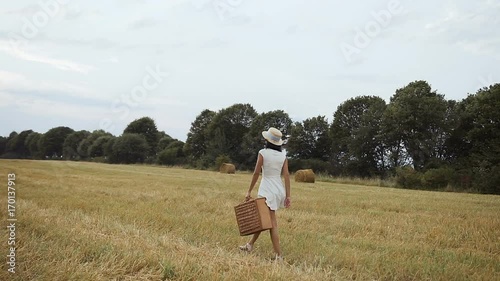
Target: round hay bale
[(306, 175), (227, 168)]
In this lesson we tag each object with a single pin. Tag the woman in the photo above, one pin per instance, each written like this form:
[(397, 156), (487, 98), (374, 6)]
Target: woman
[(273, 163)]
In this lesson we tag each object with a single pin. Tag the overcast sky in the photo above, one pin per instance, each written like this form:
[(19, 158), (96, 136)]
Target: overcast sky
[(102, 64)]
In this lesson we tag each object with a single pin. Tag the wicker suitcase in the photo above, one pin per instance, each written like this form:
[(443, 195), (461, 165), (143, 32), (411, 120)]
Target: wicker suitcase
[(253, 216)]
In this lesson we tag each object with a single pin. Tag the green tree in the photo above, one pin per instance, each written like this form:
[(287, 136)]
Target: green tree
[(7, 153), (86, 143), (226, 131), (108, 149), (310, 139), (51, 143), (297, 142), (446, 149), (161, 134), (98, 146), (197, 138), (17, 147), (482, 111), (3, 144), (458, 146), (396, 154), (172, 154), (146, 127), (164, 142), (71, 144), (419, 117), (11, 135), (167, 157), (129, 148), (31, 143), (357, 145)]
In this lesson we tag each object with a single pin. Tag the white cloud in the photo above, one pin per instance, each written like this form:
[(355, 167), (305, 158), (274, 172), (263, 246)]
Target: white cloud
[(488, 46), (25, 11), (111, 59), (473, 27), (43, 107), (6, 99), (284, 52), (143, 23), (15, 82), (156, 101), (10, 78), (66, 65)]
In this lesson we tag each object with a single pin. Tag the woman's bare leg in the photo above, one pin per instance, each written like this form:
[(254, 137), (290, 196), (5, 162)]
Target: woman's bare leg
[(254, 238), (274, 234)]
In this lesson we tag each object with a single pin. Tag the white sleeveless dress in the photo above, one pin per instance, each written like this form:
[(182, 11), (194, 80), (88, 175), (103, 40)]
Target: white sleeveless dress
[(271, 187)]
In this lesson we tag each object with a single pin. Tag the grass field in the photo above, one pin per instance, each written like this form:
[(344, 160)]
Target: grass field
[(89, 221)]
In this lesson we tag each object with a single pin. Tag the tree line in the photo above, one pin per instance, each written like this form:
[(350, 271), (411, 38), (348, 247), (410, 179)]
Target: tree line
[(419, 139)]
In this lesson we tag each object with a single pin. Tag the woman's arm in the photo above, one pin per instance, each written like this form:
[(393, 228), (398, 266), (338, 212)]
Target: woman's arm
[(255, 176), (286, 175)]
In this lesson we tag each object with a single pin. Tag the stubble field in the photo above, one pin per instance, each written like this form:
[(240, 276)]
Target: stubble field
[(89, 221)]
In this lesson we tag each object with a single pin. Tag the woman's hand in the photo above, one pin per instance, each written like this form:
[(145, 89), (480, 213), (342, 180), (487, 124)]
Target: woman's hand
[(247, 196), (288, 201)]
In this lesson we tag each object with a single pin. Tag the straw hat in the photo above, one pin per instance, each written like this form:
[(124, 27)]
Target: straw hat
[(273, 136)]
